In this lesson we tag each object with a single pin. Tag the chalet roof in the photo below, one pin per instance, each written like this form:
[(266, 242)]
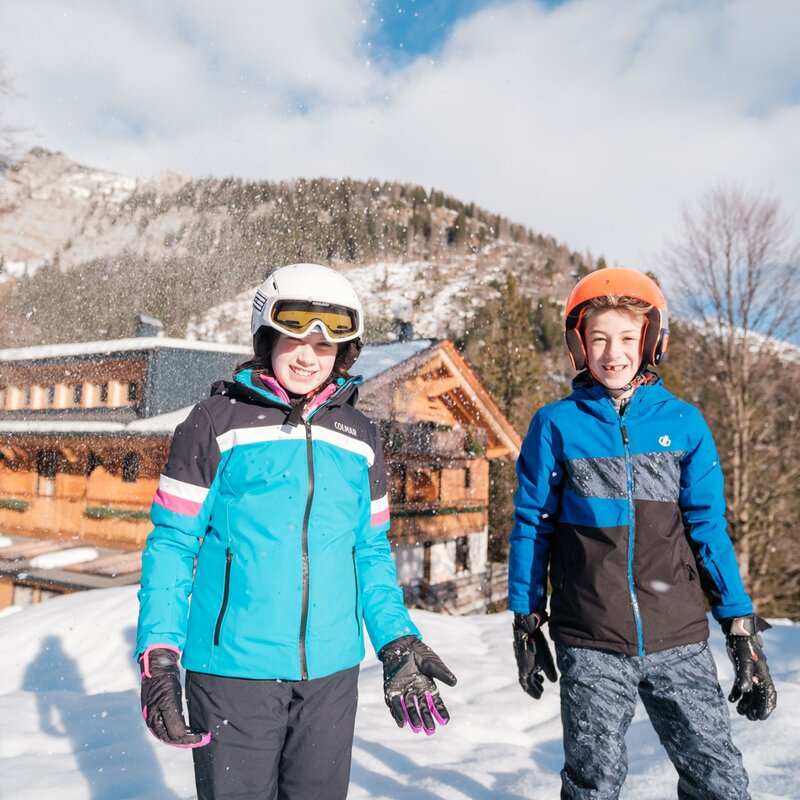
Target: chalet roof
[(378, 358), (111, 346), (375, 358), (162, 423), (440, 373), (66, 565)]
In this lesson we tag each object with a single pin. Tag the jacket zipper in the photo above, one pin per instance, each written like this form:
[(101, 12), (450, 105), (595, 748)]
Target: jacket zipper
[(355, 576), (310, 458), (225, 590), (631, 531), (304, 614)]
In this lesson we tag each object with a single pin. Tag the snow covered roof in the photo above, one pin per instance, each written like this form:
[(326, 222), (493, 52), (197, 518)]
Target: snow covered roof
[(111, 346), (377, 358), (162, 423)]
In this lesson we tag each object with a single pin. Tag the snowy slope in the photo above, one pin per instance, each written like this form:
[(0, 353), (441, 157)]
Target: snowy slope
[(72, 727), (436, 297)]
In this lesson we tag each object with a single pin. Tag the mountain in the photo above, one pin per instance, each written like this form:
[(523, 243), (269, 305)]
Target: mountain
[(83, 251)]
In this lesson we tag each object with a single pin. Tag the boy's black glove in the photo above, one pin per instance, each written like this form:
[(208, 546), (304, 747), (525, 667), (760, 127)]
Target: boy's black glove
[(752, 686), (532, 653), (409, 667), (162, 699)]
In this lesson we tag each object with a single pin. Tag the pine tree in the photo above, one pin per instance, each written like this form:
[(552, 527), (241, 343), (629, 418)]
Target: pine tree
[(500, 346)]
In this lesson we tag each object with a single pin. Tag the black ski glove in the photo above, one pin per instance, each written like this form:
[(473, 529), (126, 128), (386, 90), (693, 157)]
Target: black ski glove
[(409, 667), (752, 686), (162, 698), (532, 653)]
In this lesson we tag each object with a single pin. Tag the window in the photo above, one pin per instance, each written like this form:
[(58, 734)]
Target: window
[(77, 394), (103, 392), (467, 478), (462, 554), (51, 394), (46, 461), (130, 467), (133, 391), (423, 485), (92, 462), (398, 473), (2, 396)]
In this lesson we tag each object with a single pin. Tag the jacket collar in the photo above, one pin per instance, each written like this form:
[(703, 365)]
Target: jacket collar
[(593, 396), (246, 385)]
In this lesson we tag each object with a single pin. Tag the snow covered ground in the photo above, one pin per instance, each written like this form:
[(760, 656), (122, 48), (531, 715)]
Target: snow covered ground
[(71, 725)]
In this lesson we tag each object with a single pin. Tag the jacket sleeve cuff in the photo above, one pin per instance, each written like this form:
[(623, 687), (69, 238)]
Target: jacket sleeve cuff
[(144, 658), (734, 610)]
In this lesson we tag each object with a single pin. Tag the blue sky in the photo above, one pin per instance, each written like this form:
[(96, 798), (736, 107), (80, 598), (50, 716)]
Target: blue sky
[(405, 29), (590, 120)]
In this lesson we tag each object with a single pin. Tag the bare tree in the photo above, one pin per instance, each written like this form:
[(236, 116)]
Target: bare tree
[(736, 274)]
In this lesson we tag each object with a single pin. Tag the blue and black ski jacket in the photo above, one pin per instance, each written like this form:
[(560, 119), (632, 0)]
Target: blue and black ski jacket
[(628, 512), (287, 525)]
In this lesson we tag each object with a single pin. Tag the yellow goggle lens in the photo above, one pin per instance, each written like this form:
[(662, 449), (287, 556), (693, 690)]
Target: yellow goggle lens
[(293, 318)]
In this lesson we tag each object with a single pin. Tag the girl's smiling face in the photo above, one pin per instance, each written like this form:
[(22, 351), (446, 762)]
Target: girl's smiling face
[(613, 341), (301, 365)]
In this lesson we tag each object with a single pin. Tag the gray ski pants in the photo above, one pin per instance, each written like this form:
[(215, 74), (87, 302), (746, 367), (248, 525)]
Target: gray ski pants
[(682, 697), (273, 740)]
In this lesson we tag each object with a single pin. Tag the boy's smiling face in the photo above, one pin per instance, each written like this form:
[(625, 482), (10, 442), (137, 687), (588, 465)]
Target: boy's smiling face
[(613, 341)]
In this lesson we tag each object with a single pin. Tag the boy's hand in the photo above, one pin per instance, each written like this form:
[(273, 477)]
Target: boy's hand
[(409, 670), (753, 686), (532, 653)]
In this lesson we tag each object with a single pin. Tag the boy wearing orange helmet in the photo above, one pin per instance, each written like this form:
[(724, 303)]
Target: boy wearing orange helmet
[(621, 499)]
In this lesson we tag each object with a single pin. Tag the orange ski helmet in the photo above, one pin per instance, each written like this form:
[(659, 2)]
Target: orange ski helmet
[(620, 282)]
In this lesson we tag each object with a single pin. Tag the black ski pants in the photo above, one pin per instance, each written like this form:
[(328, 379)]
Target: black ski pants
[(682, 697), (273, 740)]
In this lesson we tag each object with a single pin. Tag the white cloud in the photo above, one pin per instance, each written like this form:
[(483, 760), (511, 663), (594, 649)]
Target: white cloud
[(592, 121)]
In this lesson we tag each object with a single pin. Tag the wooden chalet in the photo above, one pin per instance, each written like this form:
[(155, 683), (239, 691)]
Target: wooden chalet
[(85, 429)]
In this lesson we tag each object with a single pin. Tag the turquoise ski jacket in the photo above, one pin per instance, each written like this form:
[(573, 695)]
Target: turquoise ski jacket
[(269, 544)]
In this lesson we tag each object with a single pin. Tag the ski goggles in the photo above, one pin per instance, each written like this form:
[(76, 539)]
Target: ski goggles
[(297, 317)]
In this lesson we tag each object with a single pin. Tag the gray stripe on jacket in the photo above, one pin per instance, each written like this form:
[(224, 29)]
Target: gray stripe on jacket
[(656, 476)]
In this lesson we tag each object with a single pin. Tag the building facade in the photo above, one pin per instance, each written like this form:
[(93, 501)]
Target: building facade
[(85, 429)]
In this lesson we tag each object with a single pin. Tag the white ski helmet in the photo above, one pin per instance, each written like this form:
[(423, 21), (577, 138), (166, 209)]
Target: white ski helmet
[(300, 298)]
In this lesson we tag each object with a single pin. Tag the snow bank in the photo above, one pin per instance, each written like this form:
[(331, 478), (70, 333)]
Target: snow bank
[(72, 725)]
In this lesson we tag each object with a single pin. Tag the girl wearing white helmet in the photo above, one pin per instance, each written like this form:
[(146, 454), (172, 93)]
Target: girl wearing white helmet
[(275, 487)]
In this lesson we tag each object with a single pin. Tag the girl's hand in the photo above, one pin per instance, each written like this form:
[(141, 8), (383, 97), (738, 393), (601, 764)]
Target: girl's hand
[(409, 670), (162, 699)]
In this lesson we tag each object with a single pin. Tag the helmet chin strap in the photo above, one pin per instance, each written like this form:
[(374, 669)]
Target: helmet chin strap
[(645, 376), (636, 382), (641, 375)]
